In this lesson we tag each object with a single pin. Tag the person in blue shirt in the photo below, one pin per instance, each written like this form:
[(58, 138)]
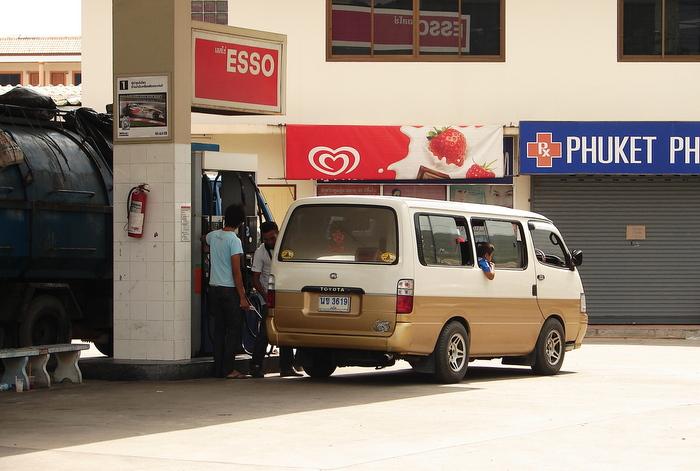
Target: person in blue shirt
[(226, 292), (484, 258)]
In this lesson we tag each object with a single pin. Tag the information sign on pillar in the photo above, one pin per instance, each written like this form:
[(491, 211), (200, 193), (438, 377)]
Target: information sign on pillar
[(237, 71), (142, 108)]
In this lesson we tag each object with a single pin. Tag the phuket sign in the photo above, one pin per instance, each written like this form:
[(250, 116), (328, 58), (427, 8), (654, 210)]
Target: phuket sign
[(239, 71), (609, 147), (394, 152)]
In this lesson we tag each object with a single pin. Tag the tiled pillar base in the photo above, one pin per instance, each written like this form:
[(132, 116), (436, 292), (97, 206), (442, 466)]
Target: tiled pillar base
[(152, 274)]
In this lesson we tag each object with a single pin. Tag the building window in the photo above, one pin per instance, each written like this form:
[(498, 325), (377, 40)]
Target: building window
[(77, 78), (659, 30), (11, 78), (58, 78), (419, 30), (210, 11), (34, 78)]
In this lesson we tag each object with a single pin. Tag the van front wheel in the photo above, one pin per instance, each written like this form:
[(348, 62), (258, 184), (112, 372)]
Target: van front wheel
[(452, 353), (549, 352), (318, 363)]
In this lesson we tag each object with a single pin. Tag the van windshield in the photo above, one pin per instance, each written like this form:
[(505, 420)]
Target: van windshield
[(341, 233)]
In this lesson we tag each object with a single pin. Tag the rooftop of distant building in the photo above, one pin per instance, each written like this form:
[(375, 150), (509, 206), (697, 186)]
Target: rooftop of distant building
[(48, 45)]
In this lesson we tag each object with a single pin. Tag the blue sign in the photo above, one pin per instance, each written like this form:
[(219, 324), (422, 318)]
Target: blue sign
[(609, 147)]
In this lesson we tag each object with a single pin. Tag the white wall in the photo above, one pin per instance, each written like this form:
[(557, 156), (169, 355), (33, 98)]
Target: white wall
[(561, 64), (97, 53)]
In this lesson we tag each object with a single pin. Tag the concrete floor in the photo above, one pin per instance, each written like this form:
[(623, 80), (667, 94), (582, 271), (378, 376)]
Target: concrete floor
[(613, 407)]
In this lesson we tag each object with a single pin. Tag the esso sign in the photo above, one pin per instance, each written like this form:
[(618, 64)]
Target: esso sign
[(437, 28), (242, 73), (243, 62)]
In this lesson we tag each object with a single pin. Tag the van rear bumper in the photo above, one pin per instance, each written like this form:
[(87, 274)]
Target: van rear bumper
[(401, 341), (583, 327)]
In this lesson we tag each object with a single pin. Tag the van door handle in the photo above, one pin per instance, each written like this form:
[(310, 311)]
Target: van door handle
[(540, 277)]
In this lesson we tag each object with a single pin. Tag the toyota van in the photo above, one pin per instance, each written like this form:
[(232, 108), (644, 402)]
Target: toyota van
[(367, 281)]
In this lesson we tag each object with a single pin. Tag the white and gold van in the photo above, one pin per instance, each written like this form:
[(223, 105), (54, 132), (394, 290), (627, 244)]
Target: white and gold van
[(366, 281)]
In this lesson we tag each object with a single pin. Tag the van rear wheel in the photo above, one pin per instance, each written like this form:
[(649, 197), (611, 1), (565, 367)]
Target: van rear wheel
[(550, 349), (318, 363), (452, 353)]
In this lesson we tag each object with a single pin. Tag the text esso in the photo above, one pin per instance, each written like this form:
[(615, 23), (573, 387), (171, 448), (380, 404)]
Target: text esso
[(438, 28), (243, 62)]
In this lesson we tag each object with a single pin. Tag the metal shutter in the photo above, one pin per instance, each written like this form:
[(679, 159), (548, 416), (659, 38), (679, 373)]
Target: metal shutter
[(656, 282)]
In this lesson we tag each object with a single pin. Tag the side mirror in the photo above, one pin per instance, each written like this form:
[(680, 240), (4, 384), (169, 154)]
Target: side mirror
[(577, 258)]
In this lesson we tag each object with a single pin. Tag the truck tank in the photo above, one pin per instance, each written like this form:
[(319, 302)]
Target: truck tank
[(55, 226)]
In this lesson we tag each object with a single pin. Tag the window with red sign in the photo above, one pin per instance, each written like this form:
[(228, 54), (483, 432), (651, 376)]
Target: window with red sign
[(429, 30)]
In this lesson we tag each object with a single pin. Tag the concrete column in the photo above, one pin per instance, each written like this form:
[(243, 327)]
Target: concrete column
[(96, 57), (152, 314)]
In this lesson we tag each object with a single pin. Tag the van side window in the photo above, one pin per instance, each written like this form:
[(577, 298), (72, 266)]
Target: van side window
[(508, 239), (549, 248), (443, 240)]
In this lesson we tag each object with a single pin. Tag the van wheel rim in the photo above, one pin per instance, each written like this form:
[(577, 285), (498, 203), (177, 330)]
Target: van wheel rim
[(553, 347), (456, 352)]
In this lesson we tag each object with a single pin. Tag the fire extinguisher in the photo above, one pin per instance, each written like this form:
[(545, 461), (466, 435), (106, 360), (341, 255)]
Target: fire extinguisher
[(136, 209)]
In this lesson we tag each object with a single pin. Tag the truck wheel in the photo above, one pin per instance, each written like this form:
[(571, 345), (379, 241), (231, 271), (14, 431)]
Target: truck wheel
[(318, 363), (452, 353), (46, 323), (550, 348)]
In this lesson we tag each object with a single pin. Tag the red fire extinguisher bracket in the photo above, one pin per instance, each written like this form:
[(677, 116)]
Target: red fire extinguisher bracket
[(136, 210)]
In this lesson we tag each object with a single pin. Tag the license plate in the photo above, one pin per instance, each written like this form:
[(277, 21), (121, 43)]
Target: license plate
[(334, 304)]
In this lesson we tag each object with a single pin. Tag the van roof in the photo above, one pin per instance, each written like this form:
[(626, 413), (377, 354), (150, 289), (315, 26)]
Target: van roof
[(419, 203)]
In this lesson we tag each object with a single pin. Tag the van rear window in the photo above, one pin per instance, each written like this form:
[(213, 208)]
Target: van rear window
[(341, 233)]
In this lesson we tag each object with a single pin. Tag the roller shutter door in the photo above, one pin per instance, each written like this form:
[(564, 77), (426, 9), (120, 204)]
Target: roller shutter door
[(653, 281)]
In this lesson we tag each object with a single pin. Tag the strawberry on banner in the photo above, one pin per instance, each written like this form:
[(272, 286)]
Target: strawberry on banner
[(329, 152)]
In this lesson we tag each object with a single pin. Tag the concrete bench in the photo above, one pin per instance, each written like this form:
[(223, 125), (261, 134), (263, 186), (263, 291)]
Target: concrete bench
[(67, 355), (15, 361)]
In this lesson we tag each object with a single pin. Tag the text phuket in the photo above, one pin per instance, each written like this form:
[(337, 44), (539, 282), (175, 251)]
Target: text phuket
[(629, 149)]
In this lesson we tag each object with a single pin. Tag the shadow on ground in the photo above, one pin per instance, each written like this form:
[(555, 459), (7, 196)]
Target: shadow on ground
[(70, 415)]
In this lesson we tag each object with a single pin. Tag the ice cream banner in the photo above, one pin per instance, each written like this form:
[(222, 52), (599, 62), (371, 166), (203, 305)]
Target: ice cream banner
[(329, 152)]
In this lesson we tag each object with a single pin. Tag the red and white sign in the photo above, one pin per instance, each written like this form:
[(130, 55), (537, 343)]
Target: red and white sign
[(238, 73), (544, 150), (394, 152), (393, 29)]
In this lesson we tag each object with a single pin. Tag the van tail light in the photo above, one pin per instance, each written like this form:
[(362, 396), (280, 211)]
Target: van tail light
[(404, 297), (271, 292)]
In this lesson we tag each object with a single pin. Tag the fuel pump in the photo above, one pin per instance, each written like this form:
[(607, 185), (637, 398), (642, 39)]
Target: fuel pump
[(222, 180)]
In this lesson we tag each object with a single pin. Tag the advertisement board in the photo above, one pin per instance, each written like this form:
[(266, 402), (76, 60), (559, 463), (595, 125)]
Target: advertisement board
[(609, 147), (499, 195), (388, 153), (439, 31), (142, 108), (236, 70)]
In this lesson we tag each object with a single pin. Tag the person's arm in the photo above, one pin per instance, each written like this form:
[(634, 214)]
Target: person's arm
[(205, 243), (238, 280), (256, 283), (487, 268), (257, 271)]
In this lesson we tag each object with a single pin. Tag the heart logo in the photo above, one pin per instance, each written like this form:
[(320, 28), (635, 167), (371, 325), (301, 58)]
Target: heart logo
[(334, 161)]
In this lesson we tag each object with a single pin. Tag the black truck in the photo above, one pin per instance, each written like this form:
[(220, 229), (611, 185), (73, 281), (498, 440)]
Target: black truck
[(55, 223)]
